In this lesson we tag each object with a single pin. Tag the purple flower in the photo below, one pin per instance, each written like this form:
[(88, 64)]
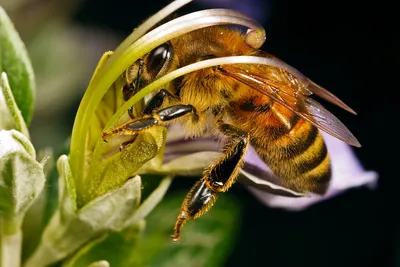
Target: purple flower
[(191, 156)]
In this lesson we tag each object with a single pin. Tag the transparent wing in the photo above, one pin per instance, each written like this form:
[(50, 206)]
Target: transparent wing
[(311, 110), (327, 122), (313, 88), (328, 96)]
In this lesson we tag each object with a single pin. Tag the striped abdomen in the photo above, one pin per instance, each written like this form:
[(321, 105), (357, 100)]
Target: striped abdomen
[(292, 147)]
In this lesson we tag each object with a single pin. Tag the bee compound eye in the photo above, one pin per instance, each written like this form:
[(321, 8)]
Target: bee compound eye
[(158, 57)]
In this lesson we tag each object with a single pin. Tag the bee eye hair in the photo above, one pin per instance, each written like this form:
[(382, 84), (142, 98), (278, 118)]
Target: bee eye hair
[(158, 57)]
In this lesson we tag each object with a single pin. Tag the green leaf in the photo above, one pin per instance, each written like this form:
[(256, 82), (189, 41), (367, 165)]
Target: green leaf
[(21, 182), (21, 176), (135, 223), (151, 202), (10, 115), (6, 118), (118, 245), (70, 228), (15, 62), (206, 241)]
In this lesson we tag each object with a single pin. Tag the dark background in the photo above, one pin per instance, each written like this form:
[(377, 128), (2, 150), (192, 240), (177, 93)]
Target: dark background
[(351, 49)]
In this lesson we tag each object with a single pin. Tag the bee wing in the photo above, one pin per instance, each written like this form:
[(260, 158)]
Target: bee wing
[(328, 96), (318, 90), (327, 122), (311, 110)]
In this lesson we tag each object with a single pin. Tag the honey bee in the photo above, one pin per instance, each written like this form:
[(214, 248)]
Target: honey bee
[(258, 105)]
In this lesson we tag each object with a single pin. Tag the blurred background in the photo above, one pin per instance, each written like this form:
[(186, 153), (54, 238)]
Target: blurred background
[(350, 49)]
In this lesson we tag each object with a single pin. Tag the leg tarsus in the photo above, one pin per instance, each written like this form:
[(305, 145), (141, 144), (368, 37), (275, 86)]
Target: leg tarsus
[(167, 114), (127, 143), (104, 136), (131, 128), (180, 222), (198, 201)]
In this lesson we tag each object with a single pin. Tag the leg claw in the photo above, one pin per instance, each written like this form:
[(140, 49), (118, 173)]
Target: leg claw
[(104, 137)]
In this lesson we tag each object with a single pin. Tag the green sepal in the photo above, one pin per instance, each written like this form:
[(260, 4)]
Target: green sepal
[(111, 172), (104, 167)]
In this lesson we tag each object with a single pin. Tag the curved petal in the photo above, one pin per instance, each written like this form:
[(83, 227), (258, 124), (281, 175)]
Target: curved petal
[(179, 145)]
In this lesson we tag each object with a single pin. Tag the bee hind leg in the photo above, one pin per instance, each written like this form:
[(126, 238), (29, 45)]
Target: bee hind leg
[(219, 177)]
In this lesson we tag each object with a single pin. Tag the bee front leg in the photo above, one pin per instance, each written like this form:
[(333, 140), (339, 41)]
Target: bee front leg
[(157, 101), (160, 117), (132, 78), (219, 177)]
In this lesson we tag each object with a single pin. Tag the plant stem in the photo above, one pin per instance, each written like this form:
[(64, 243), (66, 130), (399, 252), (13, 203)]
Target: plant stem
[(10, 244)]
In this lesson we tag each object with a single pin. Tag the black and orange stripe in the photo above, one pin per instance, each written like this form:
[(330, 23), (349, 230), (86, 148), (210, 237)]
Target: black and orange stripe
[(292, 147)]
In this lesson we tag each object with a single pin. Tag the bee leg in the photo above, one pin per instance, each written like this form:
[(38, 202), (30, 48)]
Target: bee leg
[(153, 104), (156, 118), (157, 101), (132, 78), (128, 91), (131, 128), (218, 178), (198, 201), (127, 143), (222, 174)]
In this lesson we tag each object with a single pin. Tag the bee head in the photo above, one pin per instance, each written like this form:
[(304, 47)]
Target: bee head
[(157, 61)]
